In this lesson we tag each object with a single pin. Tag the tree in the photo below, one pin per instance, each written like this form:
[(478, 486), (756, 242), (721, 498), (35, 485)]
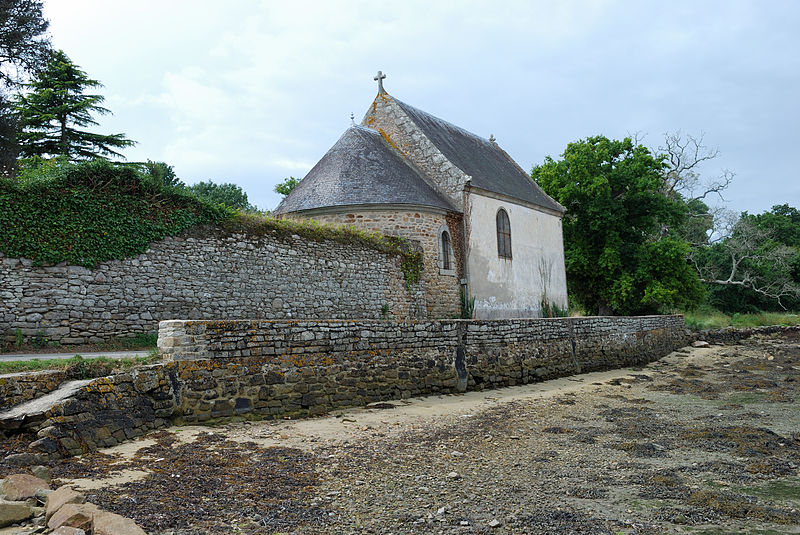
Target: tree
[(758, 265), (620, 258), (228, 194), (23, 45), (286, 187), (161, 173), (8, 138), (51, 115)]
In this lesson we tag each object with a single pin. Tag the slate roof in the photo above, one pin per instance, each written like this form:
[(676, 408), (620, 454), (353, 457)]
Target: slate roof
[(361, 168), (489, 166)]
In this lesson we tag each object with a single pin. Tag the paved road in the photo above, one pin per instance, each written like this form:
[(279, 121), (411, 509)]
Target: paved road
[(46, 356)]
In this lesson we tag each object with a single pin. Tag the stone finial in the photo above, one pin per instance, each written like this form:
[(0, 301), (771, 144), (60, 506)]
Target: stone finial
[(380, 77), (492, 139), (352, 119)]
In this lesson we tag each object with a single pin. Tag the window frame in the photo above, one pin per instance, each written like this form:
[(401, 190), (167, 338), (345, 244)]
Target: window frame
[(503, 227)]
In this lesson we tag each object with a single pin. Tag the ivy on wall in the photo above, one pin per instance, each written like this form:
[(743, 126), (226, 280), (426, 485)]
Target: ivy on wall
[(91, 212)]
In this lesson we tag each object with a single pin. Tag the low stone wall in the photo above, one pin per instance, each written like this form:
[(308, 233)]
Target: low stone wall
[(226, 368), (16, 388), (207, 272)]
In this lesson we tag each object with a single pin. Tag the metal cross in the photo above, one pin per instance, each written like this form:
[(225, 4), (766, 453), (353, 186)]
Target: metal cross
[(380, 78)]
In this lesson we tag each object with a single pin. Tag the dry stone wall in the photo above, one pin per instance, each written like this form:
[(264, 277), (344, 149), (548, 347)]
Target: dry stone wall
[(298, 367), (204, 273)]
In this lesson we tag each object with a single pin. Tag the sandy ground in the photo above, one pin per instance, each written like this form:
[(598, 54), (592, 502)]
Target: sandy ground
[(705, 441), (352, 425)]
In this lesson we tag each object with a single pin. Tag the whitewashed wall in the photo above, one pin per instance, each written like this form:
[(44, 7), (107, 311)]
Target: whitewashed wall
[(514, 288)]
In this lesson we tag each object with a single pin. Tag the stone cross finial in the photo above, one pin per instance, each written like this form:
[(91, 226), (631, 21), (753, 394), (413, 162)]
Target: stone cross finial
[(380, 78)]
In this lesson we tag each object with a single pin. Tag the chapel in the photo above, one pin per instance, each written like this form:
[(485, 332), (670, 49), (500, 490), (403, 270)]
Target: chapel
[(487, 231)]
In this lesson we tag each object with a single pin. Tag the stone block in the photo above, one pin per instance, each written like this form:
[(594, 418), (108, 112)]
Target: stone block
[(17, 487), (73, 515), (13, 512), (106, 523), (60, 497)]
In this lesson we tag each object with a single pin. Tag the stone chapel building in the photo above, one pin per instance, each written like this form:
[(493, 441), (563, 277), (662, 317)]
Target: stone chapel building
[(482, 223)]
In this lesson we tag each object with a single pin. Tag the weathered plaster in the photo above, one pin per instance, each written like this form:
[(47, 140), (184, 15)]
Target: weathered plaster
[(506, 288)]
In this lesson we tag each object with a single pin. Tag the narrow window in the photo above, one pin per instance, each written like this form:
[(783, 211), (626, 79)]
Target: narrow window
[(446, 248), (503, 234)]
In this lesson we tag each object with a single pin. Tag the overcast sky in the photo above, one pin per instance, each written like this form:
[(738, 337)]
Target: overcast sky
[(252, 92)]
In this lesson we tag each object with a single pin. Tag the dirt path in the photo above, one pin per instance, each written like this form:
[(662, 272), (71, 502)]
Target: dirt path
[(703, 441)]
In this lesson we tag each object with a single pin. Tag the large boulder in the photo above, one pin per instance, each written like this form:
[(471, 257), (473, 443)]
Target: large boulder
[(61, 497), (74, 515), (106, 523), (14, 512), (17, 487)]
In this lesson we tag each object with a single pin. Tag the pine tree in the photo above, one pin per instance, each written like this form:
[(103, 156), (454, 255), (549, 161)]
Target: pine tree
[(52, 114)]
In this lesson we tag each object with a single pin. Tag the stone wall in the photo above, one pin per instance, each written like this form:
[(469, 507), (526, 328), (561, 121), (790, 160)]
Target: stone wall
[(388, 118), (16, 388), (441, 290), (227, 368), (204, 273)]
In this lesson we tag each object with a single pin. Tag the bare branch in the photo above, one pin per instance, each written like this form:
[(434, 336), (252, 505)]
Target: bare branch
[(684, 155), (756, 263)]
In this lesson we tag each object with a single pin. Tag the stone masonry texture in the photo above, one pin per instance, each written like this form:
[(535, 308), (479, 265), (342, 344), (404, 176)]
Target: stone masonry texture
[(218, 369), (204, 273), (441, 292)]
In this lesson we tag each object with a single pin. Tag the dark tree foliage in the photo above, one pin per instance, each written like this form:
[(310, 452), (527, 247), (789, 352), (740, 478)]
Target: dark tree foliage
[(227, 194), (8, 138), (620, 258), (23, 46), (52, 116)]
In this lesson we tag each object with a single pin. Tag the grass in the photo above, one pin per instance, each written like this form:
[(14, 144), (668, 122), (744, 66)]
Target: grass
[(40, 343), (711, 318), (77, 366)]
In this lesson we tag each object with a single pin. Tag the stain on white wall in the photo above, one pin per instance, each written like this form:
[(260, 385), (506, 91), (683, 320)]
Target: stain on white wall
[(514, 288)]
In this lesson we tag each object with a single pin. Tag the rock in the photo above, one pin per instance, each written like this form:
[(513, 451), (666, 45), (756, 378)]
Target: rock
[(18, 487), (66, 530), (73, 515), (22, 459), (60, 497), (106, 523), (494, 523), (42, 472), (700, 343), (13, 512), (41, 495), (453, 475)]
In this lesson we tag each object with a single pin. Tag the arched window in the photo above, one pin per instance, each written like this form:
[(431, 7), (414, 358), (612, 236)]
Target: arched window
[(503, 234), (447, 261)]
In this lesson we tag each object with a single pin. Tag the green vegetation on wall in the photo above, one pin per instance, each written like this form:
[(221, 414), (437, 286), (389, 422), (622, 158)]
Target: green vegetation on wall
[(91, 212)]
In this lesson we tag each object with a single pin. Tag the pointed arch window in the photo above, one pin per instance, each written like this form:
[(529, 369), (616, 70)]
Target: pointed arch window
[(503, 234)]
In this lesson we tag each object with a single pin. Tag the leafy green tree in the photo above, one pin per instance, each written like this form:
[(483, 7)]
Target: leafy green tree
[(52, 114), (228, 194), (620, 257), (286, 187), (161, 173), (24, 48)]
